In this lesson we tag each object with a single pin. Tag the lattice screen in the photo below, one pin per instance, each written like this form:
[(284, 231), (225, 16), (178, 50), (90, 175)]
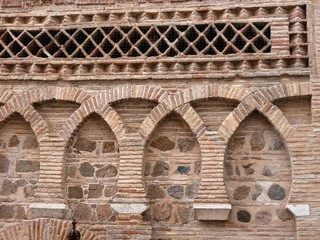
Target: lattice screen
[(134, 41), (205, 40)]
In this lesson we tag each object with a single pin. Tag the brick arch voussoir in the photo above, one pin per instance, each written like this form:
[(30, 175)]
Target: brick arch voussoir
[(43, 228), (162, 110), (179, 99), (5, 95), (212, 91), (30, 96), (191, 117), (274, 115), (285, 90), (260, 100), (151, 93), (38, 125), (78, 118)]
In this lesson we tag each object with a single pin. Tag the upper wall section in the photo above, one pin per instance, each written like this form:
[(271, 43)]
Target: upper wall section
[(148, 40)]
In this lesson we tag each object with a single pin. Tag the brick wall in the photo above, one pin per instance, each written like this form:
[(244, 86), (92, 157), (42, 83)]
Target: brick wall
[(129, 147)]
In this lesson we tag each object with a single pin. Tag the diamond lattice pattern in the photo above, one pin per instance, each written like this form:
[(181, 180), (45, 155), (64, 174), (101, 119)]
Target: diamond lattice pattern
[(137, 41)]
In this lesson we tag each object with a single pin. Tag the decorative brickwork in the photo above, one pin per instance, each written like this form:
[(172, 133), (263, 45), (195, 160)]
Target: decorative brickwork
[(142, 119)]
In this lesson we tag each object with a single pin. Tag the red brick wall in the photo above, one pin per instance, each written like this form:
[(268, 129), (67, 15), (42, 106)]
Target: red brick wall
[(163, 133)]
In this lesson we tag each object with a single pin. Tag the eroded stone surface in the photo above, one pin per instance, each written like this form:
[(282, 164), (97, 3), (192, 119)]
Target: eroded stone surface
[(84, 144), (95, 190), (284, 215), (191, 190), (8, 187), (7, 211), (82, 212), (263, 217), (257, 141), (185, 214), (197, 167), (241, 193), (162, 211), (238, 171), (30, 143), (160, 169), (29, 190), (75, 192), (183, 170), (108, 147), (270, 170), (27, 166), (176, 191), (163, 143), (243, 216), (155, 191), (86, 169), (107, 171), (228, 169), (21, 182), (4, 164), (20, 213), (14, 141), (257, 192), (186, 144), (277, 145), (248, 169), (236, 143), (110, 190), (276, 192), (147, 169), (104, 212), (72, 171)]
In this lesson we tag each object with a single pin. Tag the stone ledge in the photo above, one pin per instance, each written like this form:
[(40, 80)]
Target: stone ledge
[(212, 211), (129, 208), (48, 210), (299, 210)]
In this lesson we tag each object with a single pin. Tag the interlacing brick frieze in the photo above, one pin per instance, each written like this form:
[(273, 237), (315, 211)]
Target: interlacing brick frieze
[(192, 40)]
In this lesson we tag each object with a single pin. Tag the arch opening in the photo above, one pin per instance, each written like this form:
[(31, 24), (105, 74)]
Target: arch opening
[(257, 175), (172, 168), (92, 169)]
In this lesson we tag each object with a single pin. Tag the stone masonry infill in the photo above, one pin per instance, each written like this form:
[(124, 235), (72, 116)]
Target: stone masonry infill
[(171, 201), (257, 172)]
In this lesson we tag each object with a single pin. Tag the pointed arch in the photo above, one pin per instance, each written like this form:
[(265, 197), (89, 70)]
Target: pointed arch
[(262, 101), (89, 107), (37, 123)]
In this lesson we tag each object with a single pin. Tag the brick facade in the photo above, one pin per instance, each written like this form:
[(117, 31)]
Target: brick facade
[(155, 119)]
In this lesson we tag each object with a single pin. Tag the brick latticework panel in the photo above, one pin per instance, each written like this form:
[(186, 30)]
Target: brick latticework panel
[(131, 116)]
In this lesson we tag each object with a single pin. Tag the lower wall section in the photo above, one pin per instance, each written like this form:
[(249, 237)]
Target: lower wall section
[(43, 229)]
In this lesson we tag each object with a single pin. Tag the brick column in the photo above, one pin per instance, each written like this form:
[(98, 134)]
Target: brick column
[(50, 192), (130, 201), (212, 202)]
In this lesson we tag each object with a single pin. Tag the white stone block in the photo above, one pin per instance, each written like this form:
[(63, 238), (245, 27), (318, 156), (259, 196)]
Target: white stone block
[(299, 210), (212, 212), (129, 208)]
